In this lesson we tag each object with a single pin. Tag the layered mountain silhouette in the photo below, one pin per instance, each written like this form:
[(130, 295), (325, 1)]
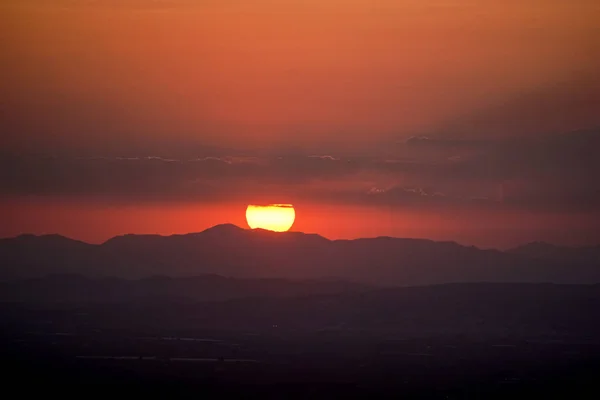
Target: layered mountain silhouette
[(77, 289), (548, 251), (231, 251), (228, 304)]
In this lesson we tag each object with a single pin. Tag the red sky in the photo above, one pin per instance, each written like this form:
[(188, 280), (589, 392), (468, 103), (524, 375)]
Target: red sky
[(470, 120)]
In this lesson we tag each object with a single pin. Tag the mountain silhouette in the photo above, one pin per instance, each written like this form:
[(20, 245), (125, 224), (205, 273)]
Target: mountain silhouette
[(79, 289), (231, 251), (548, 251)]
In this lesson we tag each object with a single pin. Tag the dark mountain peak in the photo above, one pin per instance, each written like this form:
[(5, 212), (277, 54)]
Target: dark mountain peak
[(222, 232), (224, 228), (44, 240), (132, 238), (539, 249)]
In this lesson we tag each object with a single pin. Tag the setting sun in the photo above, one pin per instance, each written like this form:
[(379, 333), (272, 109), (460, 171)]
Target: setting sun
[(273, 217)]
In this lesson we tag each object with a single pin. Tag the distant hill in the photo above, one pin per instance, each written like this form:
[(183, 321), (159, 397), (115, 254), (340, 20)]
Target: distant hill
[(77, 289), (222, 304), (547, 251), (228, 250)]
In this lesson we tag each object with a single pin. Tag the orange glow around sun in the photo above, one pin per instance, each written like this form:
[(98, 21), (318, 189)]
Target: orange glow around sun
[(272, 217)]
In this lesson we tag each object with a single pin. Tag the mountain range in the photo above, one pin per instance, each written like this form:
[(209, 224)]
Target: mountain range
[(77, 289), (230, 251), (160, 304)]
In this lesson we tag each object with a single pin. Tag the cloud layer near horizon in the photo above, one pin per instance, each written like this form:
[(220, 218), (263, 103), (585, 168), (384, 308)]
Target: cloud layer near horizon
[(552, 173)]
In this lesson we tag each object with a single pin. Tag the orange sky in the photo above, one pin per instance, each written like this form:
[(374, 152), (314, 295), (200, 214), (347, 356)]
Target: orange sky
[(131, 115), (261, 72)]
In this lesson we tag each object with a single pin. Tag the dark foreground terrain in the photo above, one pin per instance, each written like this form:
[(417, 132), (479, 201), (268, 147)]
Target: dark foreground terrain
[(448, 341)]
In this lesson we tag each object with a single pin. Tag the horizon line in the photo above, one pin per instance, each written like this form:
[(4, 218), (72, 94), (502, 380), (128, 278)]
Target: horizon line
[(40, 235)]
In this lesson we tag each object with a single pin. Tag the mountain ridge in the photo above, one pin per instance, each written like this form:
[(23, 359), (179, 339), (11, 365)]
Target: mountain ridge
[(240, 229), (229, 250)]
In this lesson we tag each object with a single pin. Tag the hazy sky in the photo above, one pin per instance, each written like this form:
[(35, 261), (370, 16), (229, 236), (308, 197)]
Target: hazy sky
[(470, 120)]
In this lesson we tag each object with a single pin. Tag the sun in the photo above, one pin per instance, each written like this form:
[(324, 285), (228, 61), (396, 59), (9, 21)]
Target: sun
[(273, 217)]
